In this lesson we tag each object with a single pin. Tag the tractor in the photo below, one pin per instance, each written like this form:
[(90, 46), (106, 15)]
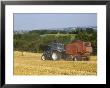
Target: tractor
[(77, 50)]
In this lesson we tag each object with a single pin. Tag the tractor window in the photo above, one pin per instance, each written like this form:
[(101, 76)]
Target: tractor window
[(48, 48)]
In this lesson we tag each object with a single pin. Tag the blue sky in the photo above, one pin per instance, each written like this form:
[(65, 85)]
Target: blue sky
[(34, 21)]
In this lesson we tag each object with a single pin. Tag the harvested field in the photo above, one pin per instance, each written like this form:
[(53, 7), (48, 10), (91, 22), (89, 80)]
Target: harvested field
[(31, 64)]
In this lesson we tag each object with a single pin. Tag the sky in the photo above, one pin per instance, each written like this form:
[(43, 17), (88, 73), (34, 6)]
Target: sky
[(32, 21)]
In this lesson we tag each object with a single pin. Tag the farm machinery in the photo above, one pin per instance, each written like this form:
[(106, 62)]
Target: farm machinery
[(77, 50)]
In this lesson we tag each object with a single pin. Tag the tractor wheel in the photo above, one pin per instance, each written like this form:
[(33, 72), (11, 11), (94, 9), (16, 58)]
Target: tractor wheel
[(77, 58), (43, 57), (56, 55)]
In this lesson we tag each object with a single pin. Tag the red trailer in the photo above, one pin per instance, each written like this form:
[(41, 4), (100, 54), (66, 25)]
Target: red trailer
[(79, 50)]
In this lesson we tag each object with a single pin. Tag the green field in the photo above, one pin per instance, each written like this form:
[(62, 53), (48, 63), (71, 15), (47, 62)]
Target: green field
[(31, 64)]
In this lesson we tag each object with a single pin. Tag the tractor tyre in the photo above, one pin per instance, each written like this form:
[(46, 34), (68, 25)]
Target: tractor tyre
[(43, 57), (56, 55)]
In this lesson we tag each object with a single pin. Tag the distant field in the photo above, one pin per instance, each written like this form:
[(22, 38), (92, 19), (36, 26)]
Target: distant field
[(31, 64)]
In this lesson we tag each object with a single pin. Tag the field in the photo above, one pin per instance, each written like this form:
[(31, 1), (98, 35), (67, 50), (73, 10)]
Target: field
[(31, 64)]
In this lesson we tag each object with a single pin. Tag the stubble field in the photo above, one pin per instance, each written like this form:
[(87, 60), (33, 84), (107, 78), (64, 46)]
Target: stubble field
[(31, 64)]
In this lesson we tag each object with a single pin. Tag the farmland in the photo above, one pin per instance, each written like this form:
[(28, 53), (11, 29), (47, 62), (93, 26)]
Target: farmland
[(31, 64)]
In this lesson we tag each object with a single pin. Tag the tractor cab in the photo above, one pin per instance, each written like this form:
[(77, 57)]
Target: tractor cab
[(56, 46)]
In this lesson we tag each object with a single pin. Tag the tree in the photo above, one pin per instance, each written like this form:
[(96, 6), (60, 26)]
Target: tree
[(88, 35)]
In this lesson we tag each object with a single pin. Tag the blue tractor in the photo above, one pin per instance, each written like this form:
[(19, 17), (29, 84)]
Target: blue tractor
[(53, 51)]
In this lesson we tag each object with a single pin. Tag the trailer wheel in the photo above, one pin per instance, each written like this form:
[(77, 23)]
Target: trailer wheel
[(43, 57), (56, 55), (77, 58), (87, 58)]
